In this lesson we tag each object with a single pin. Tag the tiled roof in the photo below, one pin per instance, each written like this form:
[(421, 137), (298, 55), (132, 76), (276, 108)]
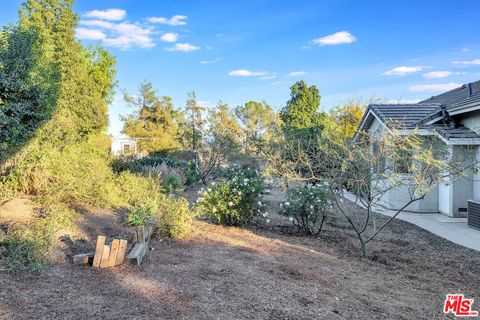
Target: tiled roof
[(411, 116), (464, 95), (451, 132), (404, 116)]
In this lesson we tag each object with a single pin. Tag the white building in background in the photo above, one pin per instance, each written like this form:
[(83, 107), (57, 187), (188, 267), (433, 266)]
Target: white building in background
[(123, 145), (454, 117)]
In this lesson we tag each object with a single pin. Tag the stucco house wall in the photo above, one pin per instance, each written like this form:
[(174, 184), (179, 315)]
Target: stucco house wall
[(119, 144)]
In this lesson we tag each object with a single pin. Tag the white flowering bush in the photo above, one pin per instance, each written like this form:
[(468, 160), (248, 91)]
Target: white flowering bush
[(307, 208), (236, 201)]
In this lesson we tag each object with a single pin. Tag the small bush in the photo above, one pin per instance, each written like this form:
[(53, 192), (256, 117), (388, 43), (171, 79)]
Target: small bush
[(174, 217), (168, 175), (141, 215), (172, 184), (307, 208), (191, 173), (130, 189), (235, 201)]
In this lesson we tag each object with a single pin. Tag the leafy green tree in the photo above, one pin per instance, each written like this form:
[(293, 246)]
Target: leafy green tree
[(221, 142), (256, 119), (343, 120), (194, 124), (156, 124), (223, 122), (52, 89), (301, 111), (27, 89), (85, 76)]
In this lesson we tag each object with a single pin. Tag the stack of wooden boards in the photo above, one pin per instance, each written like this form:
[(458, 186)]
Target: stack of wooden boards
[(142, 238), (114, 255), (104, 256), (109, 256)]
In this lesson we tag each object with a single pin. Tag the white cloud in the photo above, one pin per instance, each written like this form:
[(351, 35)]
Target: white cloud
[(468, 62), (441, 74), (123, 35), (296, 73), (434, 87), (270, 77), (184, 47), (89, 34), (177, 20), (210, 61), (334, 39), (247, 73), (169, 37), (437, 74), (403, 101), (401, 71), (465, 49), (110, 14)]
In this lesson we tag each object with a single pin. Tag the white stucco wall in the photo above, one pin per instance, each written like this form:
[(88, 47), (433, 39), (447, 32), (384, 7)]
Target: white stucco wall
[(449, 197), (398, 197), (375, 129), (471, 120), (462, 187)]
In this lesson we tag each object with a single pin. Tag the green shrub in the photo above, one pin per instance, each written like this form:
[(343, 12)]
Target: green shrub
[(130, 189), (172, 184), (307, 208), (26, 247), (72, 175), (174, 216), (235, 201), (142, 215), (191, 174)]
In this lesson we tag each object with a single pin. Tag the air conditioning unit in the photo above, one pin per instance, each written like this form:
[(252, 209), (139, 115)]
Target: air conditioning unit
[(474, 214)]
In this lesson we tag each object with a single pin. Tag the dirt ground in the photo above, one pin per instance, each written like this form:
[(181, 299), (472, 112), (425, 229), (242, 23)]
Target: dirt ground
[(266, 271)]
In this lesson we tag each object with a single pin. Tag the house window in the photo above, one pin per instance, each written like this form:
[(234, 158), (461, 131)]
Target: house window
[(379, 166), (126, 148), (402, 160)]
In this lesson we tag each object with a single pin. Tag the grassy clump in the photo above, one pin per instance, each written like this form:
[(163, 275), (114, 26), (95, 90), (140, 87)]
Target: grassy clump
[(26, 247), (142, 215)]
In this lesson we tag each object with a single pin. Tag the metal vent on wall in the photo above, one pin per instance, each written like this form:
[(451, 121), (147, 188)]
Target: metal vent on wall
[(474, 214)]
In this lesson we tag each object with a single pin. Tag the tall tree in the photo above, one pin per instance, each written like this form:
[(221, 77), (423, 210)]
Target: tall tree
[(301, 111), (223, 122), (86, 76), (194, 125), (53, 90), (221, 142), (156, 124), (256, 119)]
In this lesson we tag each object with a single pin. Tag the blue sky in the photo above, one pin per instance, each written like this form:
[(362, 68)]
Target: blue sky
[(236, 51)]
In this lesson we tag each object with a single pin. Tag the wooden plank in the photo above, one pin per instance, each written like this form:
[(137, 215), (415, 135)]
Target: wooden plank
[(113, 253), (134, 235), (148, 233), (135, 255), (140, 234), (85, 258), (98, 251), (122, 249), (105, 256)]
